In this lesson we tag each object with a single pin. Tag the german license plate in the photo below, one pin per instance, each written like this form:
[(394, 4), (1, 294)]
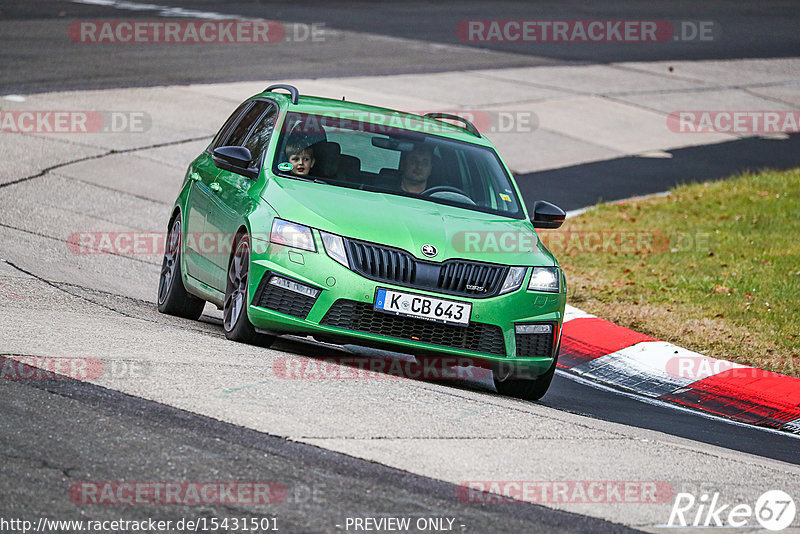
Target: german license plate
[(423, 307)]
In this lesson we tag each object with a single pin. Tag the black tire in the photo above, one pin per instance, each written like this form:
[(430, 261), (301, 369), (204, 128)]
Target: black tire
[(235, 322), (173, 299), (526, 388)]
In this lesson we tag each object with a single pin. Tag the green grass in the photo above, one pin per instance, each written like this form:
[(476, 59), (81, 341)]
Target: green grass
[(722, 274)]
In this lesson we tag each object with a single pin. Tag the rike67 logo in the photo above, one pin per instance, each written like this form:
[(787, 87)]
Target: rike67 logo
[(774, 510)]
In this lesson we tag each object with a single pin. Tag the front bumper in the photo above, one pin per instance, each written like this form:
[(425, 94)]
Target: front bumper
[(342, 311)]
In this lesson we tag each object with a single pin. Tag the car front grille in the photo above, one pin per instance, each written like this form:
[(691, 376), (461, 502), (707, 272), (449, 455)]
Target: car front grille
[(382, 263), (396, 266), (282, 300), (530, 345), (361, 317)]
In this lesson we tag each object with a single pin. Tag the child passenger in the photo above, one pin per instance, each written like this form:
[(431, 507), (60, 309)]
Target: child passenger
[(301, 158)]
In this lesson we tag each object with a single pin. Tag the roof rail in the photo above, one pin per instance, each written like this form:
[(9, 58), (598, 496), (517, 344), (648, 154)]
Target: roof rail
[(291, 88), (449, 116)]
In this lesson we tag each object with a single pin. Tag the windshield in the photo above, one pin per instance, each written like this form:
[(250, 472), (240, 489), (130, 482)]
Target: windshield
[(391, 160)]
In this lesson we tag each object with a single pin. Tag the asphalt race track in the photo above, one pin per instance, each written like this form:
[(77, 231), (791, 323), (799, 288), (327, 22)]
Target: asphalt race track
[(768, 31), (187, 405)]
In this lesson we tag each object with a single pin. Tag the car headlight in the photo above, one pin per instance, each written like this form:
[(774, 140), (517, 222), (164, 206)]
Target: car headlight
[(334, 247), (292, 235), (513, 280), (544, 279)]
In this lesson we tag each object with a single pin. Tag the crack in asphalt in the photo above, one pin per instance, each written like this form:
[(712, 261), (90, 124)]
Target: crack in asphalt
[(109, 188), (707, 89), (43, 464), (101, 156), (618, 96), (66, 241), (138, 302), (777, 100), (55, 285), (577, 92)]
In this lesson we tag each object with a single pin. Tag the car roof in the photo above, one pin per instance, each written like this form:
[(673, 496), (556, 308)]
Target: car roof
[(376, 115)]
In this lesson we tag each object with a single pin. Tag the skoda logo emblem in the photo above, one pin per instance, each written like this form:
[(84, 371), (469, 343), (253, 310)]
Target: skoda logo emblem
[(429, 250)]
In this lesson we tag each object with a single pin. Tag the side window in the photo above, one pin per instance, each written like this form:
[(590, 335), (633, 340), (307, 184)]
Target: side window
[(238, 136), (259, 137), (222, 134)]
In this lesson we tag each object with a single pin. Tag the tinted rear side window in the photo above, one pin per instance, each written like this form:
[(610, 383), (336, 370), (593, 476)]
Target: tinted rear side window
[(226, 128), (239, 133), (261, 134)]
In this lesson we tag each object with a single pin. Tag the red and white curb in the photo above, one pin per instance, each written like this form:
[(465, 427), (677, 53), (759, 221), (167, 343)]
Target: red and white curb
[(622, 358)]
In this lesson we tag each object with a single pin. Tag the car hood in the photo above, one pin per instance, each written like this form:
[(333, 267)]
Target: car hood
[(408, 223)]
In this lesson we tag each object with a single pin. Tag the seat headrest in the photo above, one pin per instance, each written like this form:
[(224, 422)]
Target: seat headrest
[(326, 154)]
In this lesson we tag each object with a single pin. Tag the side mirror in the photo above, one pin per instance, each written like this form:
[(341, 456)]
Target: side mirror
[(546, 215), (235, 159)]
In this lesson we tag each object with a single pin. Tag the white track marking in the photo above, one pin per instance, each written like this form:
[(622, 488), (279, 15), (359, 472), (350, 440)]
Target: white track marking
[(664, 404), (653, 367), (581, 211), (571, 312)]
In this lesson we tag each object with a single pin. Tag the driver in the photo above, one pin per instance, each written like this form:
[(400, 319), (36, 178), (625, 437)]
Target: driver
[(415, 169)]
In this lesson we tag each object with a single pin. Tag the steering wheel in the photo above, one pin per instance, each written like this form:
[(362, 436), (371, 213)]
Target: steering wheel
[(448, 192), (443, 188)]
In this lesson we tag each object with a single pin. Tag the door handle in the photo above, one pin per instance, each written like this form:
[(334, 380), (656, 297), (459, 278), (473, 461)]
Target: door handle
[(215, 187), (194, 177)]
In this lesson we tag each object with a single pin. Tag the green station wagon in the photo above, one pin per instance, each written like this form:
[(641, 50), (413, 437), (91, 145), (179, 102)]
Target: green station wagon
[(364, 225)]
